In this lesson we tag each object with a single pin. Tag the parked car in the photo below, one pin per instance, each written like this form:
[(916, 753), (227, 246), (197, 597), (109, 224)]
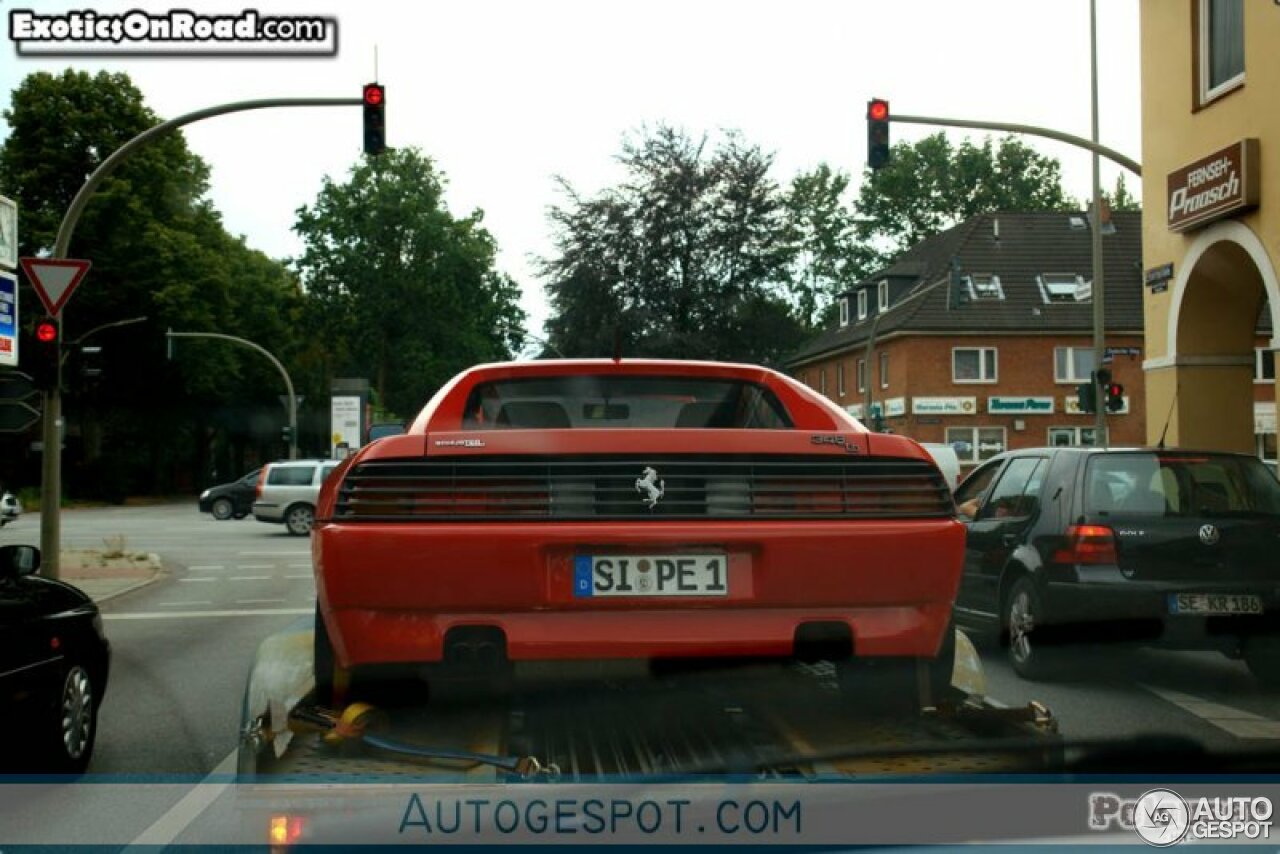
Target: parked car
[(1069, 547), (10, 508), (287, 492), (231, 500), (636, 509), (54, 660)]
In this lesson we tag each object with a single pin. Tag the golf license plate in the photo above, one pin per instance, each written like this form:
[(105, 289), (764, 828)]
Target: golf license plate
[(1214, 603), (651, 575)]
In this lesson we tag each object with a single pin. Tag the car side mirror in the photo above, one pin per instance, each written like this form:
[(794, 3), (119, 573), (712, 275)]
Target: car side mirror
[(17, 561)]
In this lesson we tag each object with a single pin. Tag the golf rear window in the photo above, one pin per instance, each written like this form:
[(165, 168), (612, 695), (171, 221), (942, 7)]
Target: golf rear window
[(624, 402), (1156, 484)]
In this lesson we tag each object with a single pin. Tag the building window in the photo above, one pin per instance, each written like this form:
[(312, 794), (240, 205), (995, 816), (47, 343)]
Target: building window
[(822, 381), (1264, 365), (1071, 437), (976, 444), (862, 305), (1221, 47), (840, 379), (883, 296), (973, 364), (844, 311), (984, 287), (884, 370), (1266, 447), (862, 375), (1064, 287), (1072, 364)]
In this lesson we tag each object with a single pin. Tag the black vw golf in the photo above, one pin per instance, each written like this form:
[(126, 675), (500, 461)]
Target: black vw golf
[(1069, 547)]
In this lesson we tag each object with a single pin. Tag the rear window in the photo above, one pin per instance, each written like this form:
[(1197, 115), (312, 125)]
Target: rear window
[(1149, 484), (291, 475), (622, 402)]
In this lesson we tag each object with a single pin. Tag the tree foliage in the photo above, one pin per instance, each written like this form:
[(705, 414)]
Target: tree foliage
[(931, 185), (398, 287), (687, 257)]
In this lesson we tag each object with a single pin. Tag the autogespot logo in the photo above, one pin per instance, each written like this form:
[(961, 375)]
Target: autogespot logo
[(1161, 817)]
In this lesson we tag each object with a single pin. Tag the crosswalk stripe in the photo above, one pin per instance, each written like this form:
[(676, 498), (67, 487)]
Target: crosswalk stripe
[(1238, 722)]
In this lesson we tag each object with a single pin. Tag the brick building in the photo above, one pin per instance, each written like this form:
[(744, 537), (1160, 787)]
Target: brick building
[(979, 335)]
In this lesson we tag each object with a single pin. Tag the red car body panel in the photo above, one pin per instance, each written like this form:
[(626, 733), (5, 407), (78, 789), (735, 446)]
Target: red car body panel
[(390, 591)]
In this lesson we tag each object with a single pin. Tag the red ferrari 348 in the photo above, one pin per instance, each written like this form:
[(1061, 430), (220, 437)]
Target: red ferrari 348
[(634, 509)]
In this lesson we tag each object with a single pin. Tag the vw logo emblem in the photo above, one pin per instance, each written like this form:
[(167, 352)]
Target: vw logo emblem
[(1208, 535)]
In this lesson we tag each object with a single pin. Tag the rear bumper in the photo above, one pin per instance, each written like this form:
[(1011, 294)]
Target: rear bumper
[(1132, 610), (390, 593)]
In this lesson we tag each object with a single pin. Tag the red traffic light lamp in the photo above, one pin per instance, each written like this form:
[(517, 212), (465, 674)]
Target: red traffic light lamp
[(47, 332), (375, 118), (877, 133)]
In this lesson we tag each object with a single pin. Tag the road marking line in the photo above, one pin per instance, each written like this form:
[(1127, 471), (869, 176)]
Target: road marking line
[(275, 553), (179, 816), (249, 578), (256, 566), (183, 615), (259, 601), (299, 566), (308, 576), (196, 580), (207, 568), (183, 604), (1238, 722)]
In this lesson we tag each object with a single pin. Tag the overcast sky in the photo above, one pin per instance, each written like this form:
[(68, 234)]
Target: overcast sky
[(505, 94)]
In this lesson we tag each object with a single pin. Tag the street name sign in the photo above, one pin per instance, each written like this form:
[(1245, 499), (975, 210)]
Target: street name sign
[(55, 279)]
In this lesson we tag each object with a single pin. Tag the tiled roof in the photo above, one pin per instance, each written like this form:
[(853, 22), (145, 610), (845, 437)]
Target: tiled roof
[(1028, 245)]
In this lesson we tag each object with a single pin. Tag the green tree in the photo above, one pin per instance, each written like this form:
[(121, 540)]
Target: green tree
[(931, 185), (687, 257), (1121, 199), (397, 287), (160, 250)]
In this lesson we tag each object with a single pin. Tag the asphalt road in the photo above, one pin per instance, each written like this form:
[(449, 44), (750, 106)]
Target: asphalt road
[(183, 647)]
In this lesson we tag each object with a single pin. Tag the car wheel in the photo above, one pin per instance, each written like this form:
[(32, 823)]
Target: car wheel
[(298, 519), (1262, 655), (222, 509), (1023, 610), (72, 726)]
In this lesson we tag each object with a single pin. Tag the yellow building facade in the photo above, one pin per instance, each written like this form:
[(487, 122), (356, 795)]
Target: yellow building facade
[(1211, 221)]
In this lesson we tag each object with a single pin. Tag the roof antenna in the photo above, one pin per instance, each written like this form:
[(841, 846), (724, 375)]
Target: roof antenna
[(1168, 419)]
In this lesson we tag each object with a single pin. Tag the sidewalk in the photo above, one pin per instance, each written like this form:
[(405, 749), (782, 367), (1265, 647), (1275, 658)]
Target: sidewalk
[(104, 574)]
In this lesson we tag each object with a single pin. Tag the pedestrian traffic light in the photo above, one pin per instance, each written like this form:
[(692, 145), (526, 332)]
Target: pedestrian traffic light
[(90, 362), (1086, 396), (40, 356), (958, 293), (1112, 392), (286, 433), (877, 133), (375, 118)]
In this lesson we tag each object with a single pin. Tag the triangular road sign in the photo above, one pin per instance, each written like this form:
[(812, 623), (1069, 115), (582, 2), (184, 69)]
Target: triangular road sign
[(54, 279)]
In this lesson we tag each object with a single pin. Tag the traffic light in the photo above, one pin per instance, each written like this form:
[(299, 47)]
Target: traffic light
[(286, 434), (958, 295), (90, 362), (375, 118), (877, 133), (40, 356), (1112, 391), (1085, 394)]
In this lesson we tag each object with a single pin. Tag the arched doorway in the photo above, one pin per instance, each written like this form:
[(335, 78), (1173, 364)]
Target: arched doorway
[(1207, 378)]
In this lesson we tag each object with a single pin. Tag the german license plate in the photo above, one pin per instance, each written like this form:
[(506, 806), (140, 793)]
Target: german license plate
[(650, 575), (1214, 603)]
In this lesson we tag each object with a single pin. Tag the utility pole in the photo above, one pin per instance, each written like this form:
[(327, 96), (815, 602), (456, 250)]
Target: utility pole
[(1095, 222)]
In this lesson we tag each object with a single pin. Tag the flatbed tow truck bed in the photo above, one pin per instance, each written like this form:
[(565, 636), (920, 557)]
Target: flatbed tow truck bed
[(761, 721)]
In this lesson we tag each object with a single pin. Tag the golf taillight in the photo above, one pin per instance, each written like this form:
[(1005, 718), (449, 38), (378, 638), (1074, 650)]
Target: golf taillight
[(1088, 544)]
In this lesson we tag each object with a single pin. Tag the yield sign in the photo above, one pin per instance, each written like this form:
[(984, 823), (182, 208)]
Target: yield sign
[(54, 279)]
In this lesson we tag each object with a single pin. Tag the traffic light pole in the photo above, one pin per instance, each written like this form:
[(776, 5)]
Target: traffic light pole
[(288, 383), (51, 485)]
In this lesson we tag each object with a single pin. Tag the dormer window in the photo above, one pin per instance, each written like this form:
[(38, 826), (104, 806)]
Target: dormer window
[(883, 296), (844, 311), (862, 304), (984, 287), (1064, 287)]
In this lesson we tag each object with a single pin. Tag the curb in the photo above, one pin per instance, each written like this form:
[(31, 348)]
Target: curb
[(132, 587)]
